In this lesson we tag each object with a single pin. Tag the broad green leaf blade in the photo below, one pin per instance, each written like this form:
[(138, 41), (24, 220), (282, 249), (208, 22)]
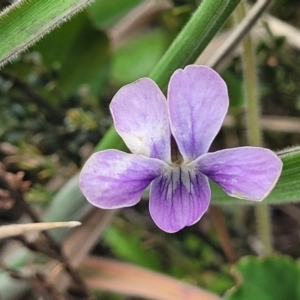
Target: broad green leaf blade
[(287, 189), (138, 57), (73, 203), (272, 278), (82, 52), (104, 13), (131, 248), (24, 24)]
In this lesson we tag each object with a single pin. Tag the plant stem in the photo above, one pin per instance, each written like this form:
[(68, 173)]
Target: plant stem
[(194, 37), (237, 35), (253, 125)]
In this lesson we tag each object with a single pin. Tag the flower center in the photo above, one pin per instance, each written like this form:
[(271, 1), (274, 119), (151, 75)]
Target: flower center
[(178, 181), (176, 156)]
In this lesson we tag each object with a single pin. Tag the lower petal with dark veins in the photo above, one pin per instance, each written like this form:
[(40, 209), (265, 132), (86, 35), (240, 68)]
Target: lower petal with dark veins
[(179, 198)]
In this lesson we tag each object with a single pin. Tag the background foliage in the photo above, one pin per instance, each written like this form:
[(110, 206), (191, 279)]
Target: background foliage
[(53, 112)]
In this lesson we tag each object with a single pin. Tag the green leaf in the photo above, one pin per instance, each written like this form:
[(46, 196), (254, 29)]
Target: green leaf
[(272, 278), (287, 189), (235, 89), (82, 53), (68, 204), (22, 24), (104, 13), (131, 248), (138, 57)]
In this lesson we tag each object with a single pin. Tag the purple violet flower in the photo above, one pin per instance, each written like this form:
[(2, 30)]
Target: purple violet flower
[(169, 141)]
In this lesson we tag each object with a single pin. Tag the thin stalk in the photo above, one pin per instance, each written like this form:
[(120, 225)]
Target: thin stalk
[(194, 37), (253, 125), (237, 35)]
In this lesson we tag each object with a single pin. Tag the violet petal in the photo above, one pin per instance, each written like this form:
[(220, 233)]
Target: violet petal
[(114, 179), (178, 198), (198, 102), (140, 116), (247, 172)]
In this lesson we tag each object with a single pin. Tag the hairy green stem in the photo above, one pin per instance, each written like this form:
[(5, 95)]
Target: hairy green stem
[(198, 32), (253, 126)]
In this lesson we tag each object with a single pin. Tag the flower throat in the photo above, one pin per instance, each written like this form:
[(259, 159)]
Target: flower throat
[(176, 156)]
